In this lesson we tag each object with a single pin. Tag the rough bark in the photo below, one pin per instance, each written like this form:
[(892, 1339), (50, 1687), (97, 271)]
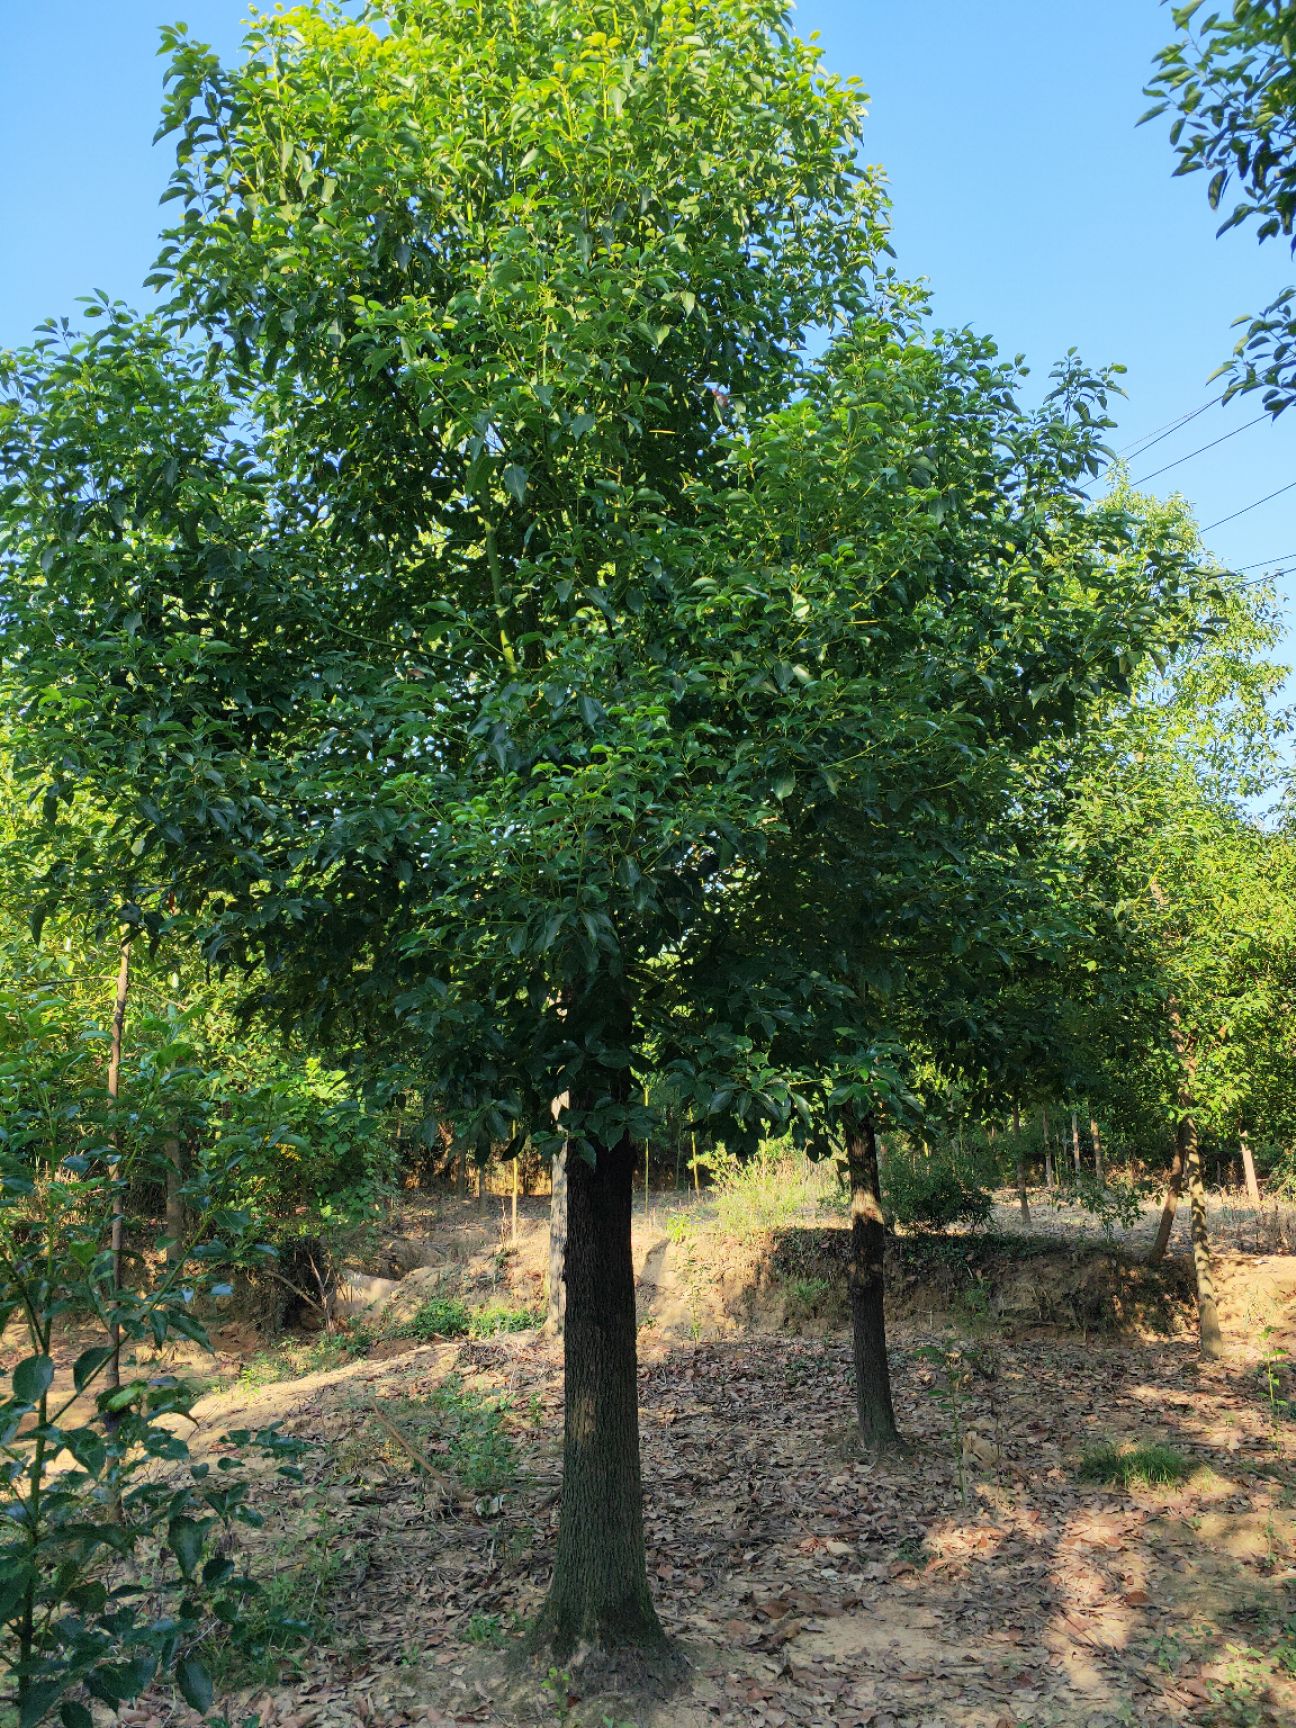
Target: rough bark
[(867, 1293), (599, 1595), (1075, 1141), (1249, 1170), (1094, 1135)]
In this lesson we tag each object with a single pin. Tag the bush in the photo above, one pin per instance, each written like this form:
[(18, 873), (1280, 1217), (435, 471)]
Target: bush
[(926, 1193), (89, 1497)]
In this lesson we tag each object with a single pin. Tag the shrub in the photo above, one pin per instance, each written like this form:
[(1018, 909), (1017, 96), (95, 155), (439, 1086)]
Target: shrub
[(90, 1497), (927, 1193)]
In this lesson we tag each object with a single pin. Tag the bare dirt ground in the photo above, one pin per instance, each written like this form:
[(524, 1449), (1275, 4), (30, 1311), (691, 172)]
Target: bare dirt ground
[(975, 1581)]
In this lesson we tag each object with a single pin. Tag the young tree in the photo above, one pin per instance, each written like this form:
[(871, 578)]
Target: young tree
[(460, 633)]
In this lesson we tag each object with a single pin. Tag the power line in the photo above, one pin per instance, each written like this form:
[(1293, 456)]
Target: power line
[(1247, 508), (1277, 559), (1222, 439), (1143, 445)]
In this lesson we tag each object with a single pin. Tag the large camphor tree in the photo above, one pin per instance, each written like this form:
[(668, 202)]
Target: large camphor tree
[(472, 593)]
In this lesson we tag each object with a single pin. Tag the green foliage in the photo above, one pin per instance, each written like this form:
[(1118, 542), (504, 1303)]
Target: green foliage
[(769, 1191), (1152, 1466), (471, 1429), (92, 1475), (1230, 80), (927, 1191), (449, 1317), (485, 1629)]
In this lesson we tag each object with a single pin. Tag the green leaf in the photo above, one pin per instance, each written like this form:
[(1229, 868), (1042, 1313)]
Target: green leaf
[(75, 1715), (32, 1378), (88, 1364), (515, 481), (186, 1537), (195, 1684)]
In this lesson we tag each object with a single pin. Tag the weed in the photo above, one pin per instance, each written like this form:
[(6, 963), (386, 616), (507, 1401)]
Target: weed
[(1273, 1360), (1154, 1465), (448, 1317), (770, 1191), (480, 1451), (288, 1612), (486, 1630), (498, 1317), (946, 1387), (438, 1317)]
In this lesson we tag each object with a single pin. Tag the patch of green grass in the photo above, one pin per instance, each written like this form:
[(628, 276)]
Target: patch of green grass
[(288, 1612), (1153, 1466), (486, 1630), (498, 1317), (438, 1317), (480, 1451), (448, 1317), (293, 1359), (771, 1191)]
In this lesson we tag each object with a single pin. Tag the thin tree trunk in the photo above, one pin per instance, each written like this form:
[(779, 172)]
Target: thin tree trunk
[(1173, 1189), (558, 1244), (697, 1168), (1048, 1146), (1097, 1151), (1075, 1141), (118, 1228), (599, 1594), (1249, 1169), (1023, 1199), (867, 1292), (517, 1176), (175, 1206), (1211, 1338)]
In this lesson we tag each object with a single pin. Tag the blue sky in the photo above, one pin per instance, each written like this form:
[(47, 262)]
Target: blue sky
[(1022, 189)]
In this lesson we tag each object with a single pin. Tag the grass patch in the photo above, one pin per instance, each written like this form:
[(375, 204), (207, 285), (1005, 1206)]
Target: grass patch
[(1152, 1466), (293, 1360), (770, 1191), (474, 1437), (448, 1317), (287, 1614), (485, 1630)]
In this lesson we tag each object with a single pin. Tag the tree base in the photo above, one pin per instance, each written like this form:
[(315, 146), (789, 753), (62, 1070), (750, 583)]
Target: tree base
[(631, 1655)]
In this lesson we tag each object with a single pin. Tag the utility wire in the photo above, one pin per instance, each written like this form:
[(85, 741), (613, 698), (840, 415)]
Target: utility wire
[(1247, 508), (1201, 448), (1268, 562), (1143, 445)]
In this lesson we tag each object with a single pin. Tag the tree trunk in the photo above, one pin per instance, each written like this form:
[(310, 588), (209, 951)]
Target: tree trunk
[(558, 1244), (118, 1228), (867, 1294), (517, 1177), (599, 1594), (1173, 1188), (1097, 1149), (1211, 1338), (1249, 1169), (175, 1206), (1023, 1199), (1075, 1141)]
